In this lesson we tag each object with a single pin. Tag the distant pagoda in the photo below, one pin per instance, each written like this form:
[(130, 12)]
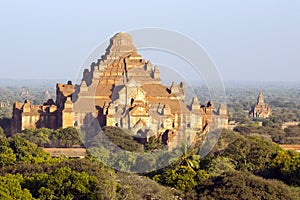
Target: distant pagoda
[(260, 109)]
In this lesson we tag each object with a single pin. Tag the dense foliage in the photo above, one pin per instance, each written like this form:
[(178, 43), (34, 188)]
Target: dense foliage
[(122, 139), (230, 172), (32, 173), (271, 131), (10, 188), (240, 185), (64, 137), (239, 167)]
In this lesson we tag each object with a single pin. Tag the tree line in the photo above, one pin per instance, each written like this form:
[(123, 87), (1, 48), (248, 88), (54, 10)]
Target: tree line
[(239, 167)]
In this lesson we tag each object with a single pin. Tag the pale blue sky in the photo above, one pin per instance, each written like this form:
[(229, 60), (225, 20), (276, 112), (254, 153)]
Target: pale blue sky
[(248, 40)]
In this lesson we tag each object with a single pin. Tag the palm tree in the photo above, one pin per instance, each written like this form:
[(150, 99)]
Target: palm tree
[(189, 158)]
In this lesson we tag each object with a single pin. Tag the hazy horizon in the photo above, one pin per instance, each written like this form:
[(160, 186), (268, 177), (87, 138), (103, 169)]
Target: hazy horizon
[(227, 83)]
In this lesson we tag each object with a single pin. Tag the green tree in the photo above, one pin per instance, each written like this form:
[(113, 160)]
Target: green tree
[(185, 173), (39, 137), (106, 185), (7, 156), (124, 140), (153, 143), (189, 158), (124, 161), (250, 153), (26, 151), (182, 178), (63, 183), (286, 167), (10, 188), (100, 153), (236, 185), (144, 162), (219, 165), (66, 137)]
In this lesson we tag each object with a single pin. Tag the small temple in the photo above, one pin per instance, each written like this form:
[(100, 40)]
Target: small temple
[(260, 109)]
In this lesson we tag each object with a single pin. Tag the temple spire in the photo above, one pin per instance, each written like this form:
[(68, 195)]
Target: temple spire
[(195, 104), (260, 99), (120, 44)]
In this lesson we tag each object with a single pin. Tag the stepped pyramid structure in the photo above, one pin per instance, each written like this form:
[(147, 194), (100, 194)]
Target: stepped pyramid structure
[(122, 89), (260, 109)]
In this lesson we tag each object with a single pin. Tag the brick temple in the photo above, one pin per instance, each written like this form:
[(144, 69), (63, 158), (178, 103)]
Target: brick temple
[(123, 89)]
